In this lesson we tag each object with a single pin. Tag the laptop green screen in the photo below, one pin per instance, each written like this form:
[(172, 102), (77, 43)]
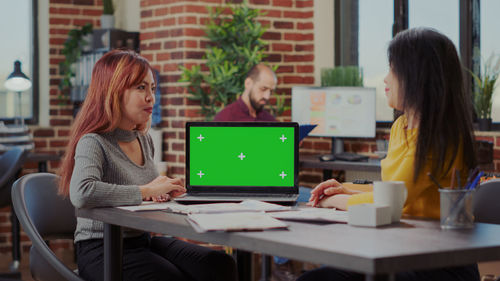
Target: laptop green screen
[(241, 156)]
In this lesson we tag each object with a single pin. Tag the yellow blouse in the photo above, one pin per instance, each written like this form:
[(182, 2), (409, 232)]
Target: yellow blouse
[(423, 195)]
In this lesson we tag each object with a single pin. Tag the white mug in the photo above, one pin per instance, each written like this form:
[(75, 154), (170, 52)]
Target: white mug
[(392, 194)]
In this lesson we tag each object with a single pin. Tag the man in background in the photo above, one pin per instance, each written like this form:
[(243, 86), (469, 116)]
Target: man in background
[(259, 85)]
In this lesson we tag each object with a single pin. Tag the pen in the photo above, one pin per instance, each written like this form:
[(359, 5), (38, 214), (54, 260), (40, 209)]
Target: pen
[(434, 180), (471, 178), (476, 181)]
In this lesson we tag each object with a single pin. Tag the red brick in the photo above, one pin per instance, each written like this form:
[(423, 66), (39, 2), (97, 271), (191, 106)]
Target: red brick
[(175, 101), (194, 32), (151, 46), (297, 15), (171, 158), (195, 55), (63, 132), (60, 122), (189, 44), (298, 80), (153, 23), (285, 69), (162, 56), (187, 20), (178, 124), (283, 24), (57, 41), (168, 22), (271, 36), (304, 3), (259, 2), (177, 55), (177, 171), (273, 58), (177, 9), (196, 9), (305, 68), (283, 3), (271, 13), (82, 22), (299, 36), (58, 143), (161, 11), (321, 145), (89, 12), (146, 13), (60, 31), (299, 58), (40, 143), (43, 133), (305, 25), (57, 21), (147, 35), (170, 67), (170, 45), (497, 142), (304, 47), (485, 138), (281, 47)]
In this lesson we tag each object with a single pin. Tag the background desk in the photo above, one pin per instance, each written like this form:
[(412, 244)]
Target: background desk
[(369, 170), (379, 252)]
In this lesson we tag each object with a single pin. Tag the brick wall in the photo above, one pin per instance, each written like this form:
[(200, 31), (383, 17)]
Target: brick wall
[(172, 34)]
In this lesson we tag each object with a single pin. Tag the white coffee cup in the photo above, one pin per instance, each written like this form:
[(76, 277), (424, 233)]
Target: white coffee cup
[(392, 194)]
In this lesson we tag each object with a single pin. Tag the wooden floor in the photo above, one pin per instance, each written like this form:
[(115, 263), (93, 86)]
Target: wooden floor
[(67, 257)]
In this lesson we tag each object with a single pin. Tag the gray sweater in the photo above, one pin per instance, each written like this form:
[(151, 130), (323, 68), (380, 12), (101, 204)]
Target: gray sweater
[(104, 176)]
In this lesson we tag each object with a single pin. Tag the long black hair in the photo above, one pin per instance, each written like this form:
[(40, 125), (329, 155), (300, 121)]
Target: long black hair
[(430, 76)]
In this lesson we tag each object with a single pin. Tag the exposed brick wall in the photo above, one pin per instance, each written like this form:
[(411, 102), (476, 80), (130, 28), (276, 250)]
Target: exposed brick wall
[(172, 34)]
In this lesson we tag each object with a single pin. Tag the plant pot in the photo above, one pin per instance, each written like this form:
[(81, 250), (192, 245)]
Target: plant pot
[(107, 21), (484, 124)]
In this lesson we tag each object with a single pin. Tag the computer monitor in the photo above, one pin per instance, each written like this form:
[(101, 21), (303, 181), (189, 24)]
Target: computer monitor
[(339, 112)]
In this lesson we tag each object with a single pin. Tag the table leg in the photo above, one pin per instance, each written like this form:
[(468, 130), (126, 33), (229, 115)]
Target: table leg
[(244, 263), (113, 252), (266, 268), (16, 241), (42, 166)]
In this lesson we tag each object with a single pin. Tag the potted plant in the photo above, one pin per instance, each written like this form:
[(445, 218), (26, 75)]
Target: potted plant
[(347, 76), (107, 17), (484, 89), (235, 46)]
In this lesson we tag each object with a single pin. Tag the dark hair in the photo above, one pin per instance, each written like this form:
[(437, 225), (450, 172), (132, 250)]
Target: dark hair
[(254, 72), (430, 77)]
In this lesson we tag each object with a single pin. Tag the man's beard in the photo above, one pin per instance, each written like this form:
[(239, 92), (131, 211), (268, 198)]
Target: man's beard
[(255, 103)]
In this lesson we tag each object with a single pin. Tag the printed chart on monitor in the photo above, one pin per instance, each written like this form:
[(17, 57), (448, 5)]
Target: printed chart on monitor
[(338, 111)]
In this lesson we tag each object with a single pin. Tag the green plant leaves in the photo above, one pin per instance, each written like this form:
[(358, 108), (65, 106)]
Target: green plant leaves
[(485, 86), (236, 46)]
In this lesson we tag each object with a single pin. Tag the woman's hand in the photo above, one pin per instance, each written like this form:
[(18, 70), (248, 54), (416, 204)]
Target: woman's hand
[(327, 189), (162, 189)]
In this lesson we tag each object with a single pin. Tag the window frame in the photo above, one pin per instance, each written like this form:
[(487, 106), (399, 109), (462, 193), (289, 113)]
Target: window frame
[(35, 84), (469, 32)]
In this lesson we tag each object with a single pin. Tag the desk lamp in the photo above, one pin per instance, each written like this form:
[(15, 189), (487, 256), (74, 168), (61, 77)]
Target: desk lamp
[(18, 82)]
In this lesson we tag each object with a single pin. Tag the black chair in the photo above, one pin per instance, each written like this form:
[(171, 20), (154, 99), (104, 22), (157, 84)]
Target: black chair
[(11, 163), (485, 203), (44, 215)]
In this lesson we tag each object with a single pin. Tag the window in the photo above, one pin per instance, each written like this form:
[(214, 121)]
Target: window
[(19, 33), (375, 32), (490, 44)]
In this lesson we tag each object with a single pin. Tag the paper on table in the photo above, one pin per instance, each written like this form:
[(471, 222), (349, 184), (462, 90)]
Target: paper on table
[(234, 222), (312, 215), (174, 207)]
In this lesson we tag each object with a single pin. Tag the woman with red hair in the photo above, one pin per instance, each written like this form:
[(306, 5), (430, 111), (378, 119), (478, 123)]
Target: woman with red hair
[(109, 162)]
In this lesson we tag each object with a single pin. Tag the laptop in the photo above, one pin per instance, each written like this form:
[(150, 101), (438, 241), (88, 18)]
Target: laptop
[(234, 161)]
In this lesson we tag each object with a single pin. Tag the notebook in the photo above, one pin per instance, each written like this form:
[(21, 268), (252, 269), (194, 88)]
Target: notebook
[(234, 161)]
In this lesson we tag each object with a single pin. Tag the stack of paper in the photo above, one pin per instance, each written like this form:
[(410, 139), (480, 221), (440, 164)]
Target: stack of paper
[(234, 222), (174, 207), (309, 214)]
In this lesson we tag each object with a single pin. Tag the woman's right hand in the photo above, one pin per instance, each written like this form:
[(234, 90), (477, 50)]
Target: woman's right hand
[(161, 186), (326, 189)]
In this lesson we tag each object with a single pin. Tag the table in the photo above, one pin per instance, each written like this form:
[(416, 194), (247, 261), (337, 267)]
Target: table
[(379, 252), (312, 161), (42, 159)]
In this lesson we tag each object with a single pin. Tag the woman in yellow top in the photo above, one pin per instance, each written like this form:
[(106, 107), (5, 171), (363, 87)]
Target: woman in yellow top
[(433, 135)]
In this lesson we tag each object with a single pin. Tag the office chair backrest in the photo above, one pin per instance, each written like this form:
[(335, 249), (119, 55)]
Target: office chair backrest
[(486, 206), (44, 215), (10, 164)]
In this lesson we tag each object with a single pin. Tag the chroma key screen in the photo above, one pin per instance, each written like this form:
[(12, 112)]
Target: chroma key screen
[(241, 156)]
